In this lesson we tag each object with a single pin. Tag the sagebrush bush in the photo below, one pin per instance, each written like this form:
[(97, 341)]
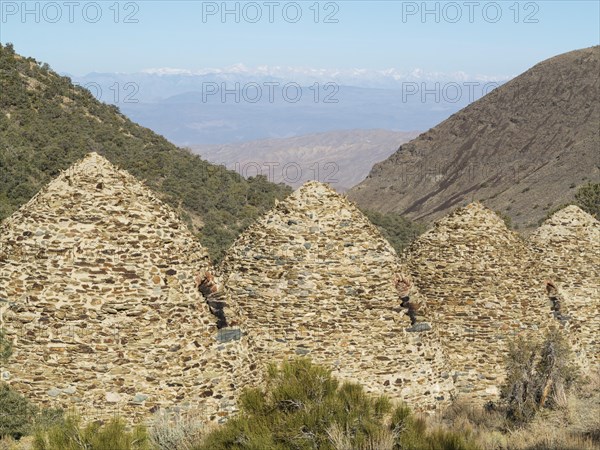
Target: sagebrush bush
[(304, 407), (588, 199), (537, 374), (397, 229), (71, 435), (181, 433), (17, 414), (5, 347)]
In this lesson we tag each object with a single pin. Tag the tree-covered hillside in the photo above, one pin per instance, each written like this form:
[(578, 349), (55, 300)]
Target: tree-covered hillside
[(47, 123)]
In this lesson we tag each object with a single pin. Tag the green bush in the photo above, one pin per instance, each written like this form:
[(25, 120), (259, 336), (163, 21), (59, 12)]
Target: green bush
[(506, 218), (16, 413), (398, 230), (588, 199), (5, 348), (71, 435), (18, 417), (304, 407), (176, 432), (538, 375)]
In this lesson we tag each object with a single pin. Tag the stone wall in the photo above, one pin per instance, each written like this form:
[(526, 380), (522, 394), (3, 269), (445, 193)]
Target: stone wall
[(314, 277), (98, 295), (112, 306), (567, 247), (483, 287)]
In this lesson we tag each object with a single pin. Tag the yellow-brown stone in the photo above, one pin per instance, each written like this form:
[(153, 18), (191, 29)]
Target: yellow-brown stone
[(75, 266), (314, 275)]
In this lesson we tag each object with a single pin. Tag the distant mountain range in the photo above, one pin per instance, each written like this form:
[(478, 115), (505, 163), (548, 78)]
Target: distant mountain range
[(522, 150), (236, 105), (341, 158), (163, 82)]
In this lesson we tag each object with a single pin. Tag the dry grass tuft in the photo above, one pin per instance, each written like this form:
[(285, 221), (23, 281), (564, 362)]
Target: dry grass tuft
[(176, 432), (342, 440), (574, 424)]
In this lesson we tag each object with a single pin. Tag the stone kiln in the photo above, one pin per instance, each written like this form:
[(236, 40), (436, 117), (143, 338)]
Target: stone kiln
[(314, 277), (482, 286), (101, 293), (98, 295), (567, 246)]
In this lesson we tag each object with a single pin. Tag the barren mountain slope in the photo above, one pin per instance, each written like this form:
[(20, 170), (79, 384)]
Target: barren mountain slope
[(521, 150)]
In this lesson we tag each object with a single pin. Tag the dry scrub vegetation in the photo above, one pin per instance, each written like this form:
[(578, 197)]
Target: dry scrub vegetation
[(573, 424), (545, 404)]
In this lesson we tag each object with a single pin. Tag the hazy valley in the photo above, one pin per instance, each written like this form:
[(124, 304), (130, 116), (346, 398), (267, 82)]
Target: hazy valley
[(339, 158)]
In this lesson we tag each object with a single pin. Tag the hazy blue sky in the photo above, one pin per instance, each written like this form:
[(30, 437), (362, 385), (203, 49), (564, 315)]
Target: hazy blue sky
[(490, 38)]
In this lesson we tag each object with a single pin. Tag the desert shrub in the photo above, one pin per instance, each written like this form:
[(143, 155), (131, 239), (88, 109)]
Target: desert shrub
[(538, 373), (48, 417), (506, 218), (413, 433), (18, 417), (551, 212), (398, 230), (180, 433), (5, 347), (17, 414), (341, 439), (71, 435), (569, 426), (304, 407), (588, 199), (442, 439)]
